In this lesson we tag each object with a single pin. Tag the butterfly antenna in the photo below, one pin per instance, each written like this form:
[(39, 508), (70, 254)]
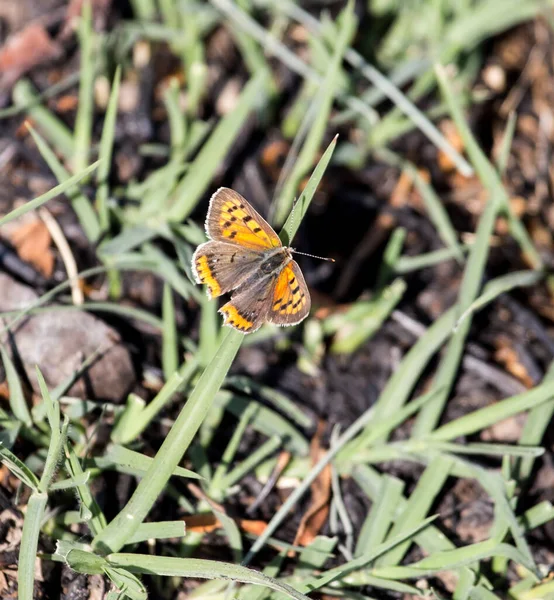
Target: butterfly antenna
[(313, 256)]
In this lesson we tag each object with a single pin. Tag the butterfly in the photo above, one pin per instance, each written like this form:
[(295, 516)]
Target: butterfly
[(245, 256)]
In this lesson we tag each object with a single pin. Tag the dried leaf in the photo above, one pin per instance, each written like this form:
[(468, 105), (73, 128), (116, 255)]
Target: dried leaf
[(25, 50), (32, 241), (318, 511)]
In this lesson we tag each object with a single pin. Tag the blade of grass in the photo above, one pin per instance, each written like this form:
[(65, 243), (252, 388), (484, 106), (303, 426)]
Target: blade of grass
[(419, 503), (85, 107), (323, 102), (501, 284), (384, 85), (79, 202), (170, 358), (24, 96), (177, 122), (39, 498), (216, 490), (473, 272), (273, 397), (128, 429), (506, 146), (378, 521), (437, 213), (299, 491), (57, 437), (259, 455), (405, 537), (391, 256), (198, 568), (43, 198), (407, 264), (534, 429), (159, 531), (105, 153), (449, 560), (202, 170), (19, 468), (484, 417), (29, 544), (89, 507), (296, 216), (18, 403), (265, 420)]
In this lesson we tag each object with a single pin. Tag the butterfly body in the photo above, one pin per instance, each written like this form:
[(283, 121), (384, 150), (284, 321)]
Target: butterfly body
[(246, 257)]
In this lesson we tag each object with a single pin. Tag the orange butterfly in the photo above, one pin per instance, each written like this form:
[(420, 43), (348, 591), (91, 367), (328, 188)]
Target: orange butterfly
[(244, 254)]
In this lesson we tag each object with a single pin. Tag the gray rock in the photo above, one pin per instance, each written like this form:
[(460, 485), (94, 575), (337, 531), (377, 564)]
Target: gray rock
[(59, 341)]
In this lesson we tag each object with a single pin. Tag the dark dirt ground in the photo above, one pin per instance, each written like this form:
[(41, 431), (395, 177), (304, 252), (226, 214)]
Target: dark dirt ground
[(350, 221)]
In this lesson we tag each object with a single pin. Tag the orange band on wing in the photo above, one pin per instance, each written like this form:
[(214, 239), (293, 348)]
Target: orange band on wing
[(232, 317), (205, 276)]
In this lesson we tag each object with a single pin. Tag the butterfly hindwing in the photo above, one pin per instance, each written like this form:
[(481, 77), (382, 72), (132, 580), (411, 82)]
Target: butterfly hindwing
[(223, 267), (249, 306), (231, 219), (290, 301)]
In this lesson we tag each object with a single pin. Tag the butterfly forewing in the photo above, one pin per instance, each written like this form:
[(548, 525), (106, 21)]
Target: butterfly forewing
[(290, 302), (223, 267), (231, 219)]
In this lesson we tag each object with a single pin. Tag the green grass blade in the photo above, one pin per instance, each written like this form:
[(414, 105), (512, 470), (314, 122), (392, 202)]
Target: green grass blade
[(534, 429), (506, 146), (43, 198), (301, 207), (158, 531), (323, 103), (200, 569), (170, 453), (266, 421), (55, 131), (378, 521), (273, 397), (89, 506), (170, 357), (385, 86), (129, 428), (29, 544), (202, 170), (407, 264), (428, 487), (437, 213), (484, 417), (177, 122), (450, 560), (259, 455), (83, 119), (391, 256), (81, 205), (216, 489), (486, 171), (341, 571), (105, 153), (57, 437), (501, 284), (18, 403), (19, 468), (299, 491), (128, 461)]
